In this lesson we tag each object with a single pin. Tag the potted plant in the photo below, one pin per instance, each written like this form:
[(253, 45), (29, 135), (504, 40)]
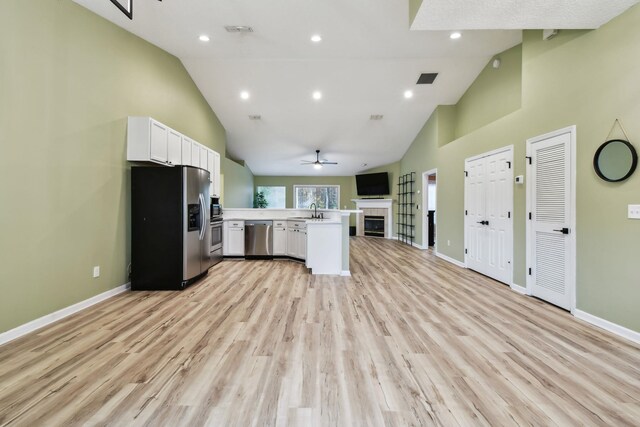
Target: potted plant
[(260, 201)]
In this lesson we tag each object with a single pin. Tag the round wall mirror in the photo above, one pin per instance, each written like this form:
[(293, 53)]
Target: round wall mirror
[(615, 160)]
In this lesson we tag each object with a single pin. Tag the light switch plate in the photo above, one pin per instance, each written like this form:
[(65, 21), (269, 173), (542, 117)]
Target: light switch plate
[(519, 179), (96, 271), (634, 212)]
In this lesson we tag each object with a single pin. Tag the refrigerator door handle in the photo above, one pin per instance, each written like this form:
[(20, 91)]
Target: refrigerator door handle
[(202, 217)]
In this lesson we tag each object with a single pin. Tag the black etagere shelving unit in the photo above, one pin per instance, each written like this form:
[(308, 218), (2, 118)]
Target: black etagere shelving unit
[(406, 217)]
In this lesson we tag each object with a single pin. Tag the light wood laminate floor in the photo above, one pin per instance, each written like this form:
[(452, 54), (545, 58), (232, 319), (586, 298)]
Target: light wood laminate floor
[(409, 339)]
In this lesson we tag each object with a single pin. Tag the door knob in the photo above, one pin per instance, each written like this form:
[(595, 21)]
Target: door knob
[(564, 230)]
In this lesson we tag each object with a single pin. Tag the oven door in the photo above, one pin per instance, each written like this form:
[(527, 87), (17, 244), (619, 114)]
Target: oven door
[(216, 236)]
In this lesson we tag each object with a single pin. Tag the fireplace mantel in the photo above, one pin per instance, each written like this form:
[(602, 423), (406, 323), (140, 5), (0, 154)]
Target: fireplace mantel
[(362, 204)]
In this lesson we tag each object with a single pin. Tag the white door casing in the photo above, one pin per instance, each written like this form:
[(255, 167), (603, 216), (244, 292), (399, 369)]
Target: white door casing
[(551, 217), (488, 214), (426, 201)]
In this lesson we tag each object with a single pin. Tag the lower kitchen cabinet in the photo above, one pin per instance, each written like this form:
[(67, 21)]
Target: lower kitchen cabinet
[(297, 240), (279, 240), (233, 238), (292, 242)]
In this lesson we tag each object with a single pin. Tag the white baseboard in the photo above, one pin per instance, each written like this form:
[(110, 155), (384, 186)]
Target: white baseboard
[(43, 321), (345, 273), (451, 260), (519, 289), (415, 245), (609, 326)]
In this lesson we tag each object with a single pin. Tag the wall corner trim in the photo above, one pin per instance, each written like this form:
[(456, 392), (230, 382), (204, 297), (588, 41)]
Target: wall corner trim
[(345, 273), (519, 289), (451, 260), (48, 319), (416, 245), (608, 326)]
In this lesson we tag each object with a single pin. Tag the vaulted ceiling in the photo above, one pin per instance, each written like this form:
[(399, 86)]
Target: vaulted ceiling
[(367, 59)]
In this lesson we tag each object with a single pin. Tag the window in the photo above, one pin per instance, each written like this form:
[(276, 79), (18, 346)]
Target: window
[(276, 196), (324, 196)]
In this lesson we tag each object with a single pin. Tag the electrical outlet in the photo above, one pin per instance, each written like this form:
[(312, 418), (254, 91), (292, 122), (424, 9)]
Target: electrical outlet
[(96, 271), (633, 212)]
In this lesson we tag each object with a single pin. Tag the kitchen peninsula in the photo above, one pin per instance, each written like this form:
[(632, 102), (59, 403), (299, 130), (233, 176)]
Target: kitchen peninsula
[(322, 243)]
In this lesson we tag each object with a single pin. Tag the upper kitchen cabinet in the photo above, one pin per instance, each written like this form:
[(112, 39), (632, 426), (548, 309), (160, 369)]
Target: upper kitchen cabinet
[(148, 140), (174, 148), (213, 166), (187, 145), (216, 174)]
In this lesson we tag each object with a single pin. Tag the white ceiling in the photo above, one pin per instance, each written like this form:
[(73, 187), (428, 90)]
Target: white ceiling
[(367, 59), (510, 14)]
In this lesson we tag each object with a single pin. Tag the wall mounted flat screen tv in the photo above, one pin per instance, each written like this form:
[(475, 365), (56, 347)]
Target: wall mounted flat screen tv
[(373, 184)]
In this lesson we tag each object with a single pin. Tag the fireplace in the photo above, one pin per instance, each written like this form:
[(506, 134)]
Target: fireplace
[(374, 225)]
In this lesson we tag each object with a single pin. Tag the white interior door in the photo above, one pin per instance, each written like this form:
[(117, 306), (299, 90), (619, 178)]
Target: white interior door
[(550, 248), (474, 214), (488, 214), (498, 207)]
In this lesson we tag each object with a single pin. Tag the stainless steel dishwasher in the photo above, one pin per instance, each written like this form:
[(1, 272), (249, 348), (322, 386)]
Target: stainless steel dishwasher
[(258, 239)]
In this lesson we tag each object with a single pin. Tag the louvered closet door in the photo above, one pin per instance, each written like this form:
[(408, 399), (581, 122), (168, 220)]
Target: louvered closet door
[(550, 247), (475, 233), (499, 202)]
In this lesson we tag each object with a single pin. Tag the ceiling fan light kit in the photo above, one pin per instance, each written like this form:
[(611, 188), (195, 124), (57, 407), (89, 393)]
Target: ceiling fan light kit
[(317, 163)]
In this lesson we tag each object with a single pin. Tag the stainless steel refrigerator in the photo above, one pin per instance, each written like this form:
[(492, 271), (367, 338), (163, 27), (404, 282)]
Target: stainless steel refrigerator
[(170, 228)]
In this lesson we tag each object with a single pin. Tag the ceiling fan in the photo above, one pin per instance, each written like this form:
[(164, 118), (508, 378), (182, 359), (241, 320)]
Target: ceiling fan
[(317, 164)]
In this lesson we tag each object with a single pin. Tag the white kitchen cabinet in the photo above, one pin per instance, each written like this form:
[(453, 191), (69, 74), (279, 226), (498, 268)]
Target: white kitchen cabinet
[(297, 239), (233, 238), (174, 147), (302, 244), (292, 242), (279, 239), (216, 174), (147, 140), (210, 165), (195, 154), (203, 157), (186, 150)]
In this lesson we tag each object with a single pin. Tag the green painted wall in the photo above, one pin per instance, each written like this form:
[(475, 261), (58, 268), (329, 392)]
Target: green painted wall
[(582, 78), (238, 185), (414, 6), (346, 183), (68, 81), (494, 94)]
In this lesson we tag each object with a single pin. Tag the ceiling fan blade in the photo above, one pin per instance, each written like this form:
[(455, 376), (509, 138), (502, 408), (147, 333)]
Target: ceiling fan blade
[(307, 162), (328, 163)]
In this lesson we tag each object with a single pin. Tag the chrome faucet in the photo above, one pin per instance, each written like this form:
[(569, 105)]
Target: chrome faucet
[(315, 210)]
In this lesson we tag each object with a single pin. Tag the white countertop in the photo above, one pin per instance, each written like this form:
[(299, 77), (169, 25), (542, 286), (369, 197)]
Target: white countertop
[(306, 220)]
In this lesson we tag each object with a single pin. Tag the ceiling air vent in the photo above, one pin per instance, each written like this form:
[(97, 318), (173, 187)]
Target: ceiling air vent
[(255, 117), (427, 78), (376, 117), (238, 29)]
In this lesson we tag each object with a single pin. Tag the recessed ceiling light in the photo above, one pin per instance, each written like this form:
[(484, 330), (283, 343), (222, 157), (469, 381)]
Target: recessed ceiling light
[(364, 164), (316, 38), (376, 117), (408, 94), (317, 95), (455, 35), (204, 38), (244, 95), (255, 117)]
